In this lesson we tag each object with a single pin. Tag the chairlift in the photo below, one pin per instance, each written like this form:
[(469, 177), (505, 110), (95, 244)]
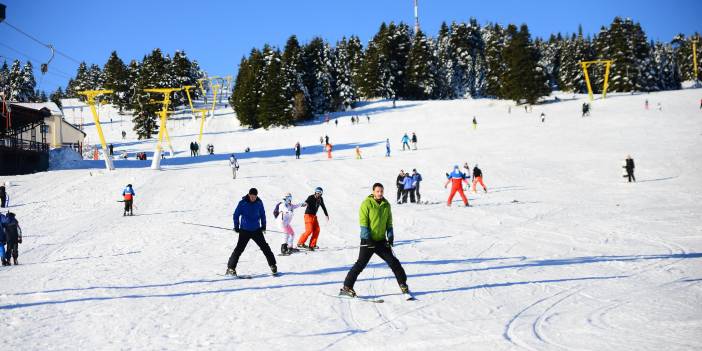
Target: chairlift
[(45, 66)]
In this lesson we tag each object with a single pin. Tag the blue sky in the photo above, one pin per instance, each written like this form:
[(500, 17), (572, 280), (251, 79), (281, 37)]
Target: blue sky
[(218, 33)]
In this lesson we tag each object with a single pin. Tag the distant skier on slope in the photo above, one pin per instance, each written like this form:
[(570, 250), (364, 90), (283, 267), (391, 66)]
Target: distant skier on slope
[(377, 237), (3, 196), (387, 147), (417, 178), (314, 202), (414, 141), (286, 211), (234, 164), (400, 183), (358, 152), (250, 222), (475, 123), (629, 167), (328, 148), (405, 142), (297, 150), (128, 195), (456, 178)]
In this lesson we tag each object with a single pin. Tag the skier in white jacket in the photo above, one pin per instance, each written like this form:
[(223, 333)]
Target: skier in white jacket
[(234, 164), (287, 209)]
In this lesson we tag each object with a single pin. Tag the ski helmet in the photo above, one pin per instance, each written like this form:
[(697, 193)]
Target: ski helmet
[(319, 190), (287, 198)]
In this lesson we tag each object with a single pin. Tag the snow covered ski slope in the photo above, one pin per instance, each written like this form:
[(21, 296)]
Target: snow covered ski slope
[(560, 253)]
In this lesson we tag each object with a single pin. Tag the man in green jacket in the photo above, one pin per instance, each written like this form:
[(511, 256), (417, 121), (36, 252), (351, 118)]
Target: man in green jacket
[(376, 222)]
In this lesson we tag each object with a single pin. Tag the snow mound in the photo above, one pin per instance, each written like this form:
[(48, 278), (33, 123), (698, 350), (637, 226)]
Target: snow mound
[(64, 158)]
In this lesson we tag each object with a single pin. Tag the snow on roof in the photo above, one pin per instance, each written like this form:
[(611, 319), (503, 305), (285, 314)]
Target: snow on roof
[(55, 110), (72, 103)]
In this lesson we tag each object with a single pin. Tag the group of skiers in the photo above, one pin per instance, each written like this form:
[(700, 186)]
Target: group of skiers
[(357, 119), (408, 186), (194, 148), (457, 178), (10, 236), (406, 140), (377, 236)]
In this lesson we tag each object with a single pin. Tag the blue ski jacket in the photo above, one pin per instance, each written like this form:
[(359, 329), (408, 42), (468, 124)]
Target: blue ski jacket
[(250, 216)]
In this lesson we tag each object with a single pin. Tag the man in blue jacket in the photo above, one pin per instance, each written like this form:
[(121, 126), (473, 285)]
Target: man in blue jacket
[(250, 223), (417, 178)]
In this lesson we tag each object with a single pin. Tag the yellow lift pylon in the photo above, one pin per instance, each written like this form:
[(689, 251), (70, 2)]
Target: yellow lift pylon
[(608, 64), (162, 128), (203, 114), (90, 99), (694, 58), (214, 97), (190, 100)]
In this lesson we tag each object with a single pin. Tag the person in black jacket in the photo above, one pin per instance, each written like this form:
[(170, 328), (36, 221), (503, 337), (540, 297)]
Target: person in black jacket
[(314, 202), (3, 197), (297, 150), (13, 234), (400, 182), (629, 168)]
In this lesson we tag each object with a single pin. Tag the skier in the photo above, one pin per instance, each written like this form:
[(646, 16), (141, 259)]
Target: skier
[(286, 215), (358, 152), (543, 117), (417, 178), (387, 147), (646, 104), (456, 178), (336, 122), (128, 194), (414, 141), (210, 149), (250, 223), (3, 197), (700, 104), (321, 140), (368, 117), (629, 168), (234, 164), (405, 142), (353, 120), (13, 236), (467, 170), (478, 178), (400, 182), (124, 134), (326, 139), (112, 149), (197, 148), (297, 150), (586, 109), (408, 188), (3, 240), (329, 151), (659, 107), (314, 202), (376, 238), (475, 122)]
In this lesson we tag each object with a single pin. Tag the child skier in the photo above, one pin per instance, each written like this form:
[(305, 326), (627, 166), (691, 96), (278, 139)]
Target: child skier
[(328, 147), (387, 147), (405, 142), (286, 211), (478, 178), (234, 164), (358, 152), (128, 194), (456, 178), (475, 123)]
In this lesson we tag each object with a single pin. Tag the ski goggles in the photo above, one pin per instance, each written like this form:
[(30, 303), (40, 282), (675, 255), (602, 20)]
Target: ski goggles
[(318, 192)]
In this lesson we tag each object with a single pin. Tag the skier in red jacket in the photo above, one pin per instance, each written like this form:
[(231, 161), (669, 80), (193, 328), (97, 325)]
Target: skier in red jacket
[(456, 178)]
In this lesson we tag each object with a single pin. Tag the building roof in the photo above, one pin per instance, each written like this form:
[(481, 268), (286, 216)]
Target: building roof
[(52, 107), (72, 103)]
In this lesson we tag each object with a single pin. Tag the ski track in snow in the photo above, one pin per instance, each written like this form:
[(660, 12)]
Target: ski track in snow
[(560, 254)]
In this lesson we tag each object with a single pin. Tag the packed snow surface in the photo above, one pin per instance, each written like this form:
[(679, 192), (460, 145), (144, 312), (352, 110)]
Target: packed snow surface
[(561, 253)]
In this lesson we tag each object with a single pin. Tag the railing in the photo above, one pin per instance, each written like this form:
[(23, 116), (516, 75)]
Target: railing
[(21, 144)]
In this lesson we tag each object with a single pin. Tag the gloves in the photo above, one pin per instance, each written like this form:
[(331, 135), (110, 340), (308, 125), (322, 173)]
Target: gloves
[(365, 233), (391, 236), (367, 243), (364, 242), (263, 229), (236, 229)]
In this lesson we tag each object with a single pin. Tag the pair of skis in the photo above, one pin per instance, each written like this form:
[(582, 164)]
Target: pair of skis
[(406, 297)]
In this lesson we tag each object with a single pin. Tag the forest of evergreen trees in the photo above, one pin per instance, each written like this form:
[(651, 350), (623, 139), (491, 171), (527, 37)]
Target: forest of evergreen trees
[(465, 60), (275, 87)]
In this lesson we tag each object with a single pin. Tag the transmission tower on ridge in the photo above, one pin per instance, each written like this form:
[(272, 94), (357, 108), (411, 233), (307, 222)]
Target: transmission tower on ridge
[(416, 16)]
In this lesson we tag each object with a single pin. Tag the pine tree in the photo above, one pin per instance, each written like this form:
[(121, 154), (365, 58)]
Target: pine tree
[(374, 71), (27, 84), (683, 56), (523, 80), (144, 118), (115, 77), (494, 37), (294, 90), (550, 58), (246, 95), (56, 97), (41, 96), (183, 72), (354, 51), (345, 88), (271, 111), (421, 69), (79, 83), (317, 75), (573, 51), (396, 49), (5, 79)]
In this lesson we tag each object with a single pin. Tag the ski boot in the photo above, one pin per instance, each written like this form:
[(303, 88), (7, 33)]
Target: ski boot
[(14, 259), (230, 271), (274, 269), (284, 249), (406, 292), (302, 246), (404, 288), (346, 291)]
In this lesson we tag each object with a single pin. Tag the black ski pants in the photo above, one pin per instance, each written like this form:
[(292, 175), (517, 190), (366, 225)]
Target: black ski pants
[(399, 194), (416, 193), (630, 174), (383, 250), (128, 206), (259, 239), (3, 201), (12, 250)]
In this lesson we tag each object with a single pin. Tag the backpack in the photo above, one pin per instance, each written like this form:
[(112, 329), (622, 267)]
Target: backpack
[(276, 210)]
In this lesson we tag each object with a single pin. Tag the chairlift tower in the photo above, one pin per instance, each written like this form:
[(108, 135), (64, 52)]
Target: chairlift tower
[(416, 17)]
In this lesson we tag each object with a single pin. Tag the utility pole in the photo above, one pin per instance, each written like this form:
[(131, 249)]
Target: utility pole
[(416, 17), (694, 58)]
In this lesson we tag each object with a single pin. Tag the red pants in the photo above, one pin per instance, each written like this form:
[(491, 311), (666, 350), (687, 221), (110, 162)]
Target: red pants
[(328, 154), (311, 227), (457, 189), (479, 180)]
